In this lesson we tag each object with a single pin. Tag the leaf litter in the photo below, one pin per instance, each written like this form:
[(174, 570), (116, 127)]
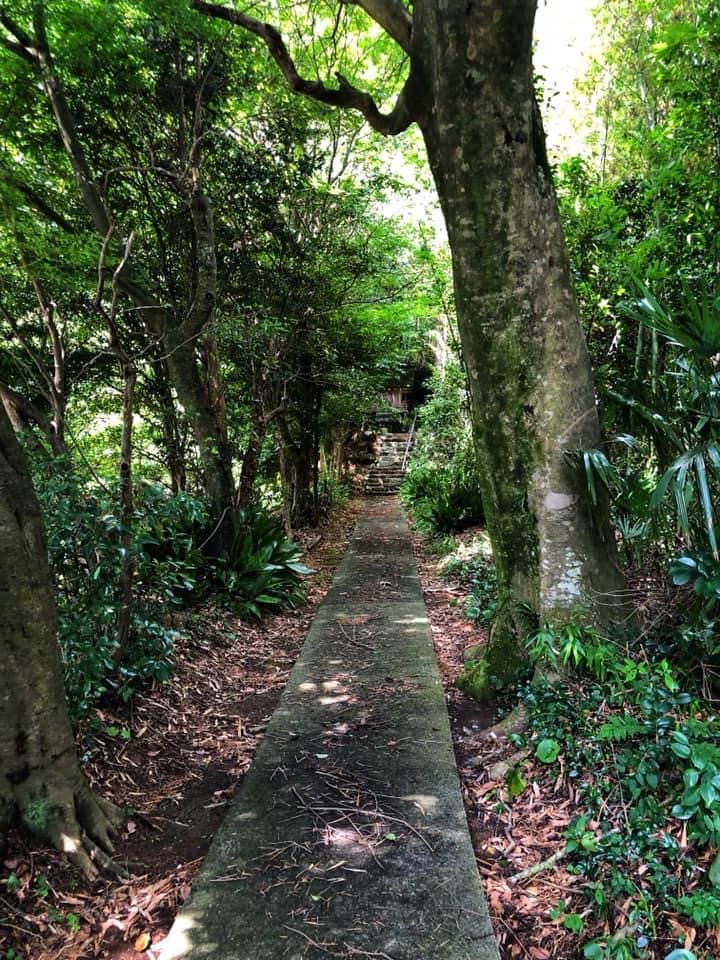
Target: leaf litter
[(173, 759)]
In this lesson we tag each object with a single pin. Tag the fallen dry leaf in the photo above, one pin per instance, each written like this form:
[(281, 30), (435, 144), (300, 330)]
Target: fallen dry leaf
[(142, 942)]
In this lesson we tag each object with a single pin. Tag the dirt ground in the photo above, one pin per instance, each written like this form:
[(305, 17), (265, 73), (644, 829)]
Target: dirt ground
[(177, 757)]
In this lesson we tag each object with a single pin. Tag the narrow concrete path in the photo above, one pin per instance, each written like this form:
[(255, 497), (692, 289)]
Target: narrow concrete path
[(348, 836)]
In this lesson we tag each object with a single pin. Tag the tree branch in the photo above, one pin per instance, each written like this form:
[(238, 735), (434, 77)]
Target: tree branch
[(24, 411), (391, 15), (42, 206), (24, 45), (346, 95), (41, 373)]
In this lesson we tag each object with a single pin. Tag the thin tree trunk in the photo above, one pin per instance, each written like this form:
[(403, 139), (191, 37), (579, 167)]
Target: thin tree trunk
[(251, 457), (127, 506), (170, 426), (127, 573), (208, 433)]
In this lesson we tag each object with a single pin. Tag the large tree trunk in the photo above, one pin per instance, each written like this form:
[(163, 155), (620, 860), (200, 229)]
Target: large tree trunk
[(39, 772), (530, 377)]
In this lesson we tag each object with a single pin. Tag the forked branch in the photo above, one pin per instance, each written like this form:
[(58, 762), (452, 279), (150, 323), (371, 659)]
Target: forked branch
[(345, 95)]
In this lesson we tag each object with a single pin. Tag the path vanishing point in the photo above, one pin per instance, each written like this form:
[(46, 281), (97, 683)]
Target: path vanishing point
[(348, 836)]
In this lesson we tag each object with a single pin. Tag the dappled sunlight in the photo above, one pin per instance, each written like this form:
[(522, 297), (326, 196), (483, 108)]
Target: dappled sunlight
[(427, 804), (329, 701), (68, 844), (180, 941), (344, 837), (247, 816)]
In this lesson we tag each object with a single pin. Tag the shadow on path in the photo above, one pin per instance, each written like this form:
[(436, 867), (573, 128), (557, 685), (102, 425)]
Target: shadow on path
[(348, 837)]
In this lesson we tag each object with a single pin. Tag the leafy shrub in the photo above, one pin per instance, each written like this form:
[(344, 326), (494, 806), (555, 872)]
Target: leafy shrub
[(262, 570), (702, 570), (84, 533), (331, 494), (444, 499), (441, 488), (476, 573)]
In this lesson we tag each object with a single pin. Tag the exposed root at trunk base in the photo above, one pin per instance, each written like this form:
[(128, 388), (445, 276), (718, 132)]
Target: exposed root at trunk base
[(515, 722), (79, 824)]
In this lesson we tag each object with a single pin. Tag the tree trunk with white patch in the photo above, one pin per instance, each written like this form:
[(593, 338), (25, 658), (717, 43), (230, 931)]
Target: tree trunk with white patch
[(470, 89), (40, 777), (530, 376)]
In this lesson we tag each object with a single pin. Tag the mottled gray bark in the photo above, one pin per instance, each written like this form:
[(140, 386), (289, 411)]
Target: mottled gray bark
[(530, 377), (40, 777)]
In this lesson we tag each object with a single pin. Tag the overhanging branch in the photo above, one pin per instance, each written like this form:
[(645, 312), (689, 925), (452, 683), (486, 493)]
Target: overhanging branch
[(345, 95)]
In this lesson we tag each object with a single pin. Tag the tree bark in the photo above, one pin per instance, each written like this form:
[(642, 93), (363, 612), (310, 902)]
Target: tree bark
[(40, 776), (530, 377), (170, 425), (470, 89), (208, 431)]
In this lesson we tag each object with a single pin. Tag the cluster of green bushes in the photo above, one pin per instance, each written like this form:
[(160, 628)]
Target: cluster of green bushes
[(441, 487), (260, 571), (662, 480), (475, 571)]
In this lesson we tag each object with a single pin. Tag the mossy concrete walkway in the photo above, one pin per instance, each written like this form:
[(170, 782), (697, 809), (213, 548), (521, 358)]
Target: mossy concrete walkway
[(348, 836)]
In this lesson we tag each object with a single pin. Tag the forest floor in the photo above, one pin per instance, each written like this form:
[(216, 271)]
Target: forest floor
[(530, 828), (520, 841), (175, 756)]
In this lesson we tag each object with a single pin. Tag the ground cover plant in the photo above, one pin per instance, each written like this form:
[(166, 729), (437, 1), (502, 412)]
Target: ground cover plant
[(595, 822)]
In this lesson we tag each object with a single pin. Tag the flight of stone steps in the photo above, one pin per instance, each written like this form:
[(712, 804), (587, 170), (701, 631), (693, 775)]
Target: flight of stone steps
[(386, 474)]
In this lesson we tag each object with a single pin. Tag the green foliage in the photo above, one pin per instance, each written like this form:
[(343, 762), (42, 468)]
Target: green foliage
[(477, 574), (703, 908), (474, 679), (442, 486), (515, 781), (35, 817), (655, 763), (701, 570), (84, 533), (548, 750), (672, 460), (262, 570)]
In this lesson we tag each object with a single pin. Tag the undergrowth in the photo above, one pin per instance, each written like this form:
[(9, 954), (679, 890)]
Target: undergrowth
[(85, 535), (644, 755)]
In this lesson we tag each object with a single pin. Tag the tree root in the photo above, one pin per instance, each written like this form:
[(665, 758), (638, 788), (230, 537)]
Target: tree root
[(500, 770), (80, 825), (515, 722)]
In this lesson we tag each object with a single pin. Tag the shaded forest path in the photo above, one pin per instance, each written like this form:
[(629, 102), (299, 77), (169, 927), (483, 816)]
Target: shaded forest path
[(348, 837)]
